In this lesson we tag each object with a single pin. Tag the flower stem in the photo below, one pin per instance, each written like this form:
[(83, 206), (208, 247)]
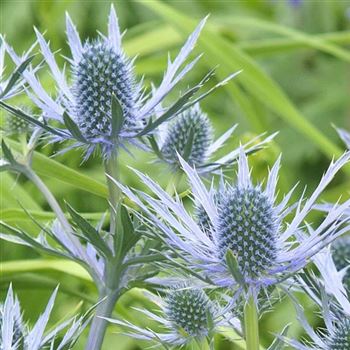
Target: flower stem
[(111, 168), (251, 324), (110, 293), (98, 327), (51, 200)]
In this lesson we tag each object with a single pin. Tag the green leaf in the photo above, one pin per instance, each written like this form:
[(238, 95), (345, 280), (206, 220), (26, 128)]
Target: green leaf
[(125, 236), (27, 281), (7, 153), (154, 146), (89, 233), (254, 80), (20, 237), (131, 236), (189, 144), (46, 166), (309, 40), (15, 193), (16, 75), (19, 113), (15, 215), (280, 45), (73, 128), (117, 116), (38, 265), (233, 266)]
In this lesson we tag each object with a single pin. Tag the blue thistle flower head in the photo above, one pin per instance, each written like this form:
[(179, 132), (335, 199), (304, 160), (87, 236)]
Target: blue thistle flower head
[(189, 310), (104, 106), (16, 126), (340, 339), (191, 133), (243, 220), (186, 314), (101, 73), (247, 224)]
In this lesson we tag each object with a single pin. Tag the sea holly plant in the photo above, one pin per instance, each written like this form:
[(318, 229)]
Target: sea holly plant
[(102, 108), (188, 316), (16, 334), (227, 255), (248, 247), (191, 136), (335, 314)]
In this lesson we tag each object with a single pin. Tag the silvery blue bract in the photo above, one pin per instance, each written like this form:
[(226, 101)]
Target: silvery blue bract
[(190, 135), (101, 72), (187, 314), (15, 335), (245, 220)]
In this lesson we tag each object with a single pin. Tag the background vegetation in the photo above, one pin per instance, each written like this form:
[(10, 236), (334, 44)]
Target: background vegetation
[(295, 59)]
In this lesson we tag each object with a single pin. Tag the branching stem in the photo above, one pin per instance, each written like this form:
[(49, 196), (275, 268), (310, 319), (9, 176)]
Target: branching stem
[(251, 324)]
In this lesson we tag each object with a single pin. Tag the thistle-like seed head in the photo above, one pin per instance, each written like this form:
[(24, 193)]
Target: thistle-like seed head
[(247, 225), (189, 310), (190, 122), (341, 257), (101, 73), (340, 340), (16, 126)]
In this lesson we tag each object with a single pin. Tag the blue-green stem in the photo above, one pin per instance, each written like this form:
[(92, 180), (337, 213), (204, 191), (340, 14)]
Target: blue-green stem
[(107, 301), (114, 195), (110, 292), (251, 324)]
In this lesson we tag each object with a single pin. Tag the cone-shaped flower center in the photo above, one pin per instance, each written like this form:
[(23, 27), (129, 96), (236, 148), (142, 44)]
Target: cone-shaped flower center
[(340, 340), (247, 225), (188, 310), (101, 73), (191, 133), (341, 257)]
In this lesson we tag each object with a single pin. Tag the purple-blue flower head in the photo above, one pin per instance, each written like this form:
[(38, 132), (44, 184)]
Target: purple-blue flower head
[(186, 314), (190, 135), (103, 77), (244, 219)]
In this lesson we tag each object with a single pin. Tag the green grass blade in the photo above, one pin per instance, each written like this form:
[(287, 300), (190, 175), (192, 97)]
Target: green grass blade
[(253, 78), (313, 41), (45, 166), (11, 215), (13, 194), (37, 265)]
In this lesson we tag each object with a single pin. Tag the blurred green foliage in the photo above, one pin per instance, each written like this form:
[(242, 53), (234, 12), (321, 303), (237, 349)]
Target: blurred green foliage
[(295, 59)]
